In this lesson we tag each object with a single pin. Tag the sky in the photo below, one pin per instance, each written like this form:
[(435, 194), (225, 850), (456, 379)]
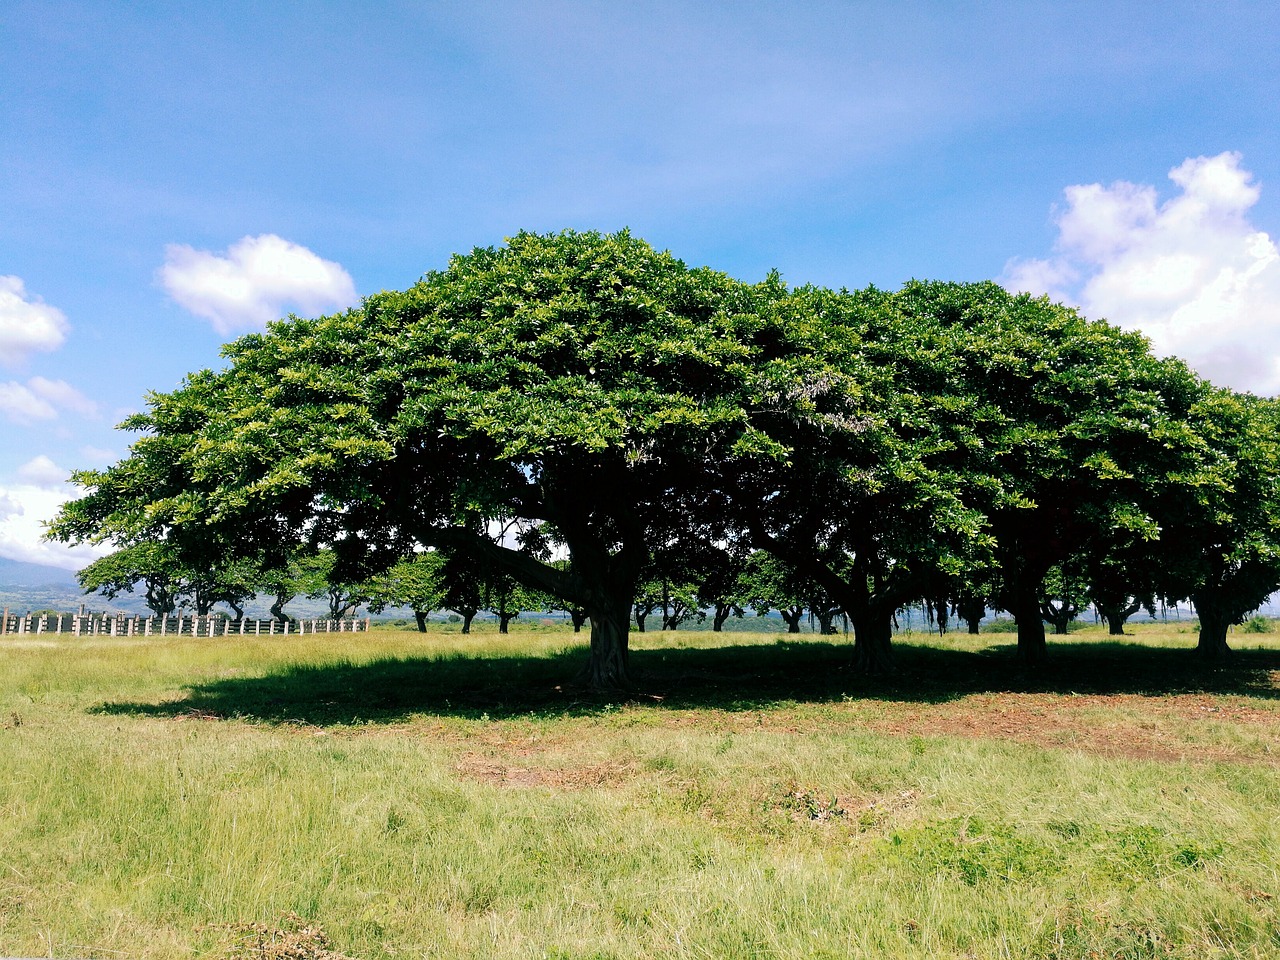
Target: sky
[(174, 176)]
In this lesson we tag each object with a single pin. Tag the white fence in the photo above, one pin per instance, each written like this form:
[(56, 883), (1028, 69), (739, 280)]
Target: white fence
[(121, 625)]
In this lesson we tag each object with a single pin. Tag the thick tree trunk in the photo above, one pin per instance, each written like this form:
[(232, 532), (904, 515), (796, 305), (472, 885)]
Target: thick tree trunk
[(1212, 645), (719, 617), (608, 668), (1116, 616), (793, 618), (579, 617), (421, 617), (873, 642), (467, 617), (971, 610), (504, 620), (1032, 648), (277, 608), (826, 621)]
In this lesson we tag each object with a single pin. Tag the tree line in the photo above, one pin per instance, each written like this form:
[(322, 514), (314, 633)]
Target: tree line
[(580, 415)]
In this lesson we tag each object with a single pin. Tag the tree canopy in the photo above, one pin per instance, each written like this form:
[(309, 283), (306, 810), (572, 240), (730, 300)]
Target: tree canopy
[(576, 414)]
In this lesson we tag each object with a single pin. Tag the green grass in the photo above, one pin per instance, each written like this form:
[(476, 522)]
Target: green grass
[(449, 796)]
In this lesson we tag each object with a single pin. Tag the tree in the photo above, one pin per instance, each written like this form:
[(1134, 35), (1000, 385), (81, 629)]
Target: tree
[(575, 379), (1224, 530), (321, 576), (147, 564), (871, 504), (767, 583), (415, 583), (1064, 593), (1079, 433), (504, 597), (462, 586), (717, 572)]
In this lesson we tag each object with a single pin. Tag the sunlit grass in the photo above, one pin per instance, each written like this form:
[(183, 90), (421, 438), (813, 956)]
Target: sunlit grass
[(454, 796)]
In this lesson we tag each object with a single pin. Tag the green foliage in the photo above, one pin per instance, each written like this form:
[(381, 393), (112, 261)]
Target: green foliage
[(657, 423), (148, 564)]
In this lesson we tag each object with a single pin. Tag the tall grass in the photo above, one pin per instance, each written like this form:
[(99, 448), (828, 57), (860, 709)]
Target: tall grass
[(447, 796)]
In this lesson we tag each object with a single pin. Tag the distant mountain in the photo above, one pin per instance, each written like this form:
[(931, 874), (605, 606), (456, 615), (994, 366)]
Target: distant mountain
[(18, 575)]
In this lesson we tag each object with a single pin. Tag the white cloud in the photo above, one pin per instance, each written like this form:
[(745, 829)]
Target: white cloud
[(64, 396), (255, 282), (1192, 273), (42, 472), (26, 324), (9, 507), (19, 404), (24, 509), (41, 399), (98, 456)]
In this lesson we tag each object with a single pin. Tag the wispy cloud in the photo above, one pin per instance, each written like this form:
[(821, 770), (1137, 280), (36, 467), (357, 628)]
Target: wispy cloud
[(257, 281), (42, 399), (27, 323), (1193, 273), (42, 472)]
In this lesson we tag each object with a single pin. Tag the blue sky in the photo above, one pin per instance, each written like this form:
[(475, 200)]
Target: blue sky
[(171, 174)]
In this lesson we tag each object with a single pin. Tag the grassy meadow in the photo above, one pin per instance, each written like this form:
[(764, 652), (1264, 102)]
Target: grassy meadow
[(443, 795)]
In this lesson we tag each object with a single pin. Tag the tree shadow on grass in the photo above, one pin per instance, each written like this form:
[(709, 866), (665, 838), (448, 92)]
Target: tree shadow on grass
[(736, 678)]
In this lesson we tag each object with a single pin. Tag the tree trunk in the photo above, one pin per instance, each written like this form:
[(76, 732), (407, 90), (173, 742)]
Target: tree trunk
[(826, 618), (642, 613), (873, 642), (793, 618), (719, 617), (467, 617), (971, 610), (421, 617), (1032, 648), (579, 617), (277, 608), (504, 619), (608, 668), (1212, 645), (1115, 616)]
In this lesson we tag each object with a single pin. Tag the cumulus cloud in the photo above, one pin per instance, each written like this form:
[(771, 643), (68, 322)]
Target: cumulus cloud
[(1193, 272), (42, 472), (9, 507), (42, 399), (24, 510), (259, 279), (27, 323)]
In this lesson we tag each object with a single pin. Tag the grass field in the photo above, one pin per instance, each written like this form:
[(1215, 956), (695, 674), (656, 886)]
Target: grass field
[(451, 796)]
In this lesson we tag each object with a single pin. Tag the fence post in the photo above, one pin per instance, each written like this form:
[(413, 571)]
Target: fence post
[(22, 625)]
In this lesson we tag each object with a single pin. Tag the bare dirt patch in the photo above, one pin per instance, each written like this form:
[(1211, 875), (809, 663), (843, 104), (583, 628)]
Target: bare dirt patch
[(1198, 728), (489, 769)]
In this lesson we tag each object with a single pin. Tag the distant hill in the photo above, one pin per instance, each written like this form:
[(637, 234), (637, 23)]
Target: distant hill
[(16, 574)]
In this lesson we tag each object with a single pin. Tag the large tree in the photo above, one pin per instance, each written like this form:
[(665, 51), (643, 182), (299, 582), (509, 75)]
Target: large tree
[(1224, 530), (871, 504), (148, 565), (579, 380), (1078, 433)]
